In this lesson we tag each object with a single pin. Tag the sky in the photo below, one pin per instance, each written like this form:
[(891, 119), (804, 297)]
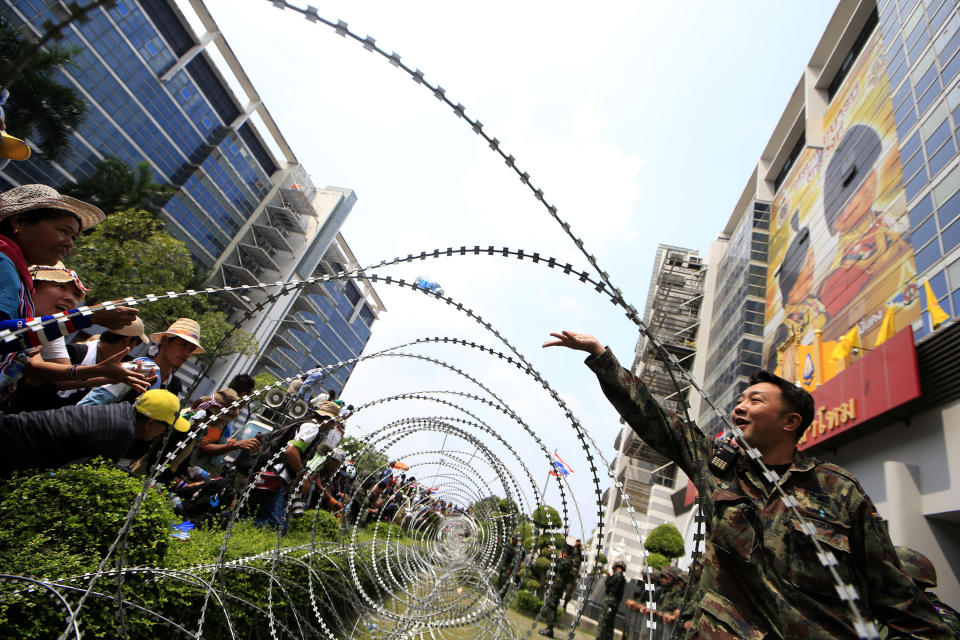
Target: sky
[(641, 122)]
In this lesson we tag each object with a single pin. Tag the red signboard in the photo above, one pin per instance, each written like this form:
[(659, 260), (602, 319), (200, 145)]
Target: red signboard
[(883, 379)]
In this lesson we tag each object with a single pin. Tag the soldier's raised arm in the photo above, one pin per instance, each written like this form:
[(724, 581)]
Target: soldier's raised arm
[(660, 429)]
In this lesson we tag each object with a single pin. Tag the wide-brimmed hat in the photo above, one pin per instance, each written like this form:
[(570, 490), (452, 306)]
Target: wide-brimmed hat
[(183, 328), (225, 397), (135, 328), (326, 409), (13, 148), (30, 197), (57, 273)]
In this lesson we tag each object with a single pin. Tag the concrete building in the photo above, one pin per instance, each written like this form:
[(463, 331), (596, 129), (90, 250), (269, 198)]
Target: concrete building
[(163, 86), (650, 481), (855, 205)]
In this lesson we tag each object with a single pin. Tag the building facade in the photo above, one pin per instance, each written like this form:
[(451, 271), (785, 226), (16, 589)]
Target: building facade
[(650, 481), (858, 193), (242, 203)]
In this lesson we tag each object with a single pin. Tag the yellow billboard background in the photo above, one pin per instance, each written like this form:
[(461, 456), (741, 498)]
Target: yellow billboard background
[(839, 233)]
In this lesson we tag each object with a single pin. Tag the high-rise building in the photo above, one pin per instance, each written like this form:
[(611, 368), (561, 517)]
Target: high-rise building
[(855, 202), (649, 480), (165, 88)]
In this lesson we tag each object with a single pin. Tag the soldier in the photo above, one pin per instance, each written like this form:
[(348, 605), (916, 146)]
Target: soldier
[(507, 562), (761, 576), (921, 570), (613, 587), (673, 584), (563, 576), (577, 558)]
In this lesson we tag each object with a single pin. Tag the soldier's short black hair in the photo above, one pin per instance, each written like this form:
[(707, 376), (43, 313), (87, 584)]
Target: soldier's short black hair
[(797, 399)]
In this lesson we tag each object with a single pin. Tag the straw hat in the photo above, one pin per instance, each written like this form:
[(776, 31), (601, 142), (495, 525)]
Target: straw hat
[(183, 328), (57, 273), (30, 197)]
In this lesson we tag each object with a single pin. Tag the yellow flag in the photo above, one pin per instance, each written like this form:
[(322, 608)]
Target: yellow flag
[(846, 344), (937, 315), (886, 327)]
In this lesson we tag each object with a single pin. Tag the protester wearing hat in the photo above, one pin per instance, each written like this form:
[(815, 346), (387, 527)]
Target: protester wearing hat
[(157, 410), (218, 440), (38, 226), (174, 347), (49, 439)]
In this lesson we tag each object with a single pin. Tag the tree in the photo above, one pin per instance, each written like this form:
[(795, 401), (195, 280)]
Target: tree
[(665, 540), (116, 186), (131, 254), (370, 461), (39, 107), (546, 517), (265, 379)]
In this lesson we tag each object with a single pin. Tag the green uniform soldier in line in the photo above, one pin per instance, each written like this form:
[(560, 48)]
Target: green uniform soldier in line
[(507, 562), (577, 558), (673, 583), (921, 570), (613, 586), (563, 576)]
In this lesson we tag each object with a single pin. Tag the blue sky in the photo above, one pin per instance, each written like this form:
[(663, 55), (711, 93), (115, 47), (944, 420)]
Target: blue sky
[(640, 121)]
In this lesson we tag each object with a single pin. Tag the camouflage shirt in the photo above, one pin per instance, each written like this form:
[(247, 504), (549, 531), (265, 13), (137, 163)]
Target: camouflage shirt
[(761, 576), (672, 596)]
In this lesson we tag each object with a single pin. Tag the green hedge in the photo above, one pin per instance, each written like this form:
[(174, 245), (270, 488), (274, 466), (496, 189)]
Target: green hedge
[(59, 524), (528, 603)]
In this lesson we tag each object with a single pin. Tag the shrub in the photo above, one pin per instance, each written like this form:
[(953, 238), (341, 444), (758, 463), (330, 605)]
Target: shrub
[(327, 525), (540, 566), (528, 603), (665, 540), (531, 585), (658, 560), (384, 529)]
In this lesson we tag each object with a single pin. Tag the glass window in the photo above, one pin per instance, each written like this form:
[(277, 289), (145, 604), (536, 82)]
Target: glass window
[(940, 159), (950, 237), (921, 211), (927, 256), (911, 166), (924, 233)]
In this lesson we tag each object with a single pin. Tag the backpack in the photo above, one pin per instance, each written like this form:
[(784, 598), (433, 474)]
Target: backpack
[(270, 444)]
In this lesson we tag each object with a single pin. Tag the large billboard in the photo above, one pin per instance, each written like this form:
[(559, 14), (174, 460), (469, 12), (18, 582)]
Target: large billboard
[(839, 233)]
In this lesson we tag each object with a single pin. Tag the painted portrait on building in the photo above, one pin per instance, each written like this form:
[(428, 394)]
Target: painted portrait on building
[(839, 243)]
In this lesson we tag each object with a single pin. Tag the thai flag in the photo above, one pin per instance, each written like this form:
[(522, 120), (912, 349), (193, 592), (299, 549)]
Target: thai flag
[(560, 468)]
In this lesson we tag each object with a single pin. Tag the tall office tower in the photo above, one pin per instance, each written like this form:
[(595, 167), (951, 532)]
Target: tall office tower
[(736, 323), (159, 91), (862, 176), (650, 481)]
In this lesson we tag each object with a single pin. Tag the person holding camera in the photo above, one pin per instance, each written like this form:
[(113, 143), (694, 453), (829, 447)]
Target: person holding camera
[(174, 347)]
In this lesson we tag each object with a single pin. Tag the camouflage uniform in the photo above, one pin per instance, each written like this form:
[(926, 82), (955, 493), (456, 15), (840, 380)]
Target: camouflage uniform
[(673, 595), (507, 563), (924, 575), (761, 577), (563, 576), (613, 586), (577, 561)]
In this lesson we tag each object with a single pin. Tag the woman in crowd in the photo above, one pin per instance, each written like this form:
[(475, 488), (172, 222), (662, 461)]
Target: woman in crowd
[(38, 226)]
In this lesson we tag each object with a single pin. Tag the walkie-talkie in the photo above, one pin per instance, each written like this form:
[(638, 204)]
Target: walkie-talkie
[(725, 453)]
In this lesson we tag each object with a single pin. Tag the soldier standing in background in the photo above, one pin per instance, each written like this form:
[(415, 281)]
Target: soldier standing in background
[(560, 580), (613, 587)]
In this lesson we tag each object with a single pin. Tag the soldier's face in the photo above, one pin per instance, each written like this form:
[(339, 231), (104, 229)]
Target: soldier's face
[(760, 414)]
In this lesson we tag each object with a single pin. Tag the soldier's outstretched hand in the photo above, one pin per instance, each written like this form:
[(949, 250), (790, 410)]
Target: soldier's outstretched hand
[(576, 341)]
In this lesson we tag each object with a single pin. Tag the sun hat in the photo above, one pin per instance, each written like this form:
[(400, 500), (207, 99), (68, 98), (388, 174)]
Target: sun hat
[(30, 197), (183, 328), (135, 328), (226, 397), (57, 273), (13, 148), (159, 404), (326, 409)]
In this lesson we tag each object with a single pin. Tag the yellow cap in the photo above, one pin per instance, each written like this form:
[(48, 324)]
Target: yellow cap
[(159, 404)]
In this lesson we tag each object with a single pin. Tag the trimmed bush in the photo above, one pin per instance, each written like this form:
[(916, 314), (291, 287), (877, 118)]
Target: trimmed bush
[(528, 603), (540, 566), (658, 560), (531, 585)]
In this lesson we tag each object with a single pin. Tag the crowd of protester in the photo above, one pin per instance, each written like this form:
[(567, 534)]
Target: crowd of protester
[(95, 384)]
